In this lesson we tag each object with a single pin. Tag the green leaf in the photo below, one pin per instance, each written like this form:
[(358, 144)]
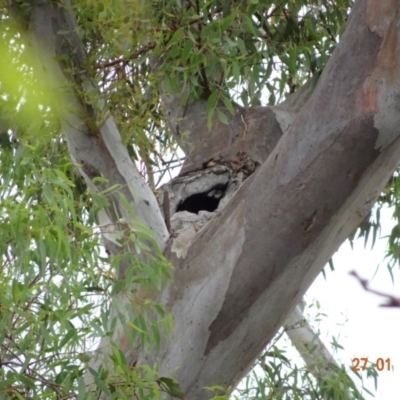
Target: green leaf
[(27, 381), (210, 116), (212, 102), (249, 26), (119, 356), (18, 290), (5, 383), (19, 396), (172, 387), (176, 37), (222, 117), (229, 105), (70, 334), (187, 50), (135, 327)]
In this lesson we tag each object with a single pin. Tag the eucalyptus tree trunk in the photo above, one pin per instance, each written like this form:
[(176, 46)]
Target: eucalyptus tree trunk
[(307, 174)]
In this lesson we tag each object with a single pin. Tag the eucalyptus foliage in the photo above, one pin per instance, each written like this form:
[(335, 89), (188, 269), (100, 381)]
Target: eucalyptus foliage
[(56, 281)]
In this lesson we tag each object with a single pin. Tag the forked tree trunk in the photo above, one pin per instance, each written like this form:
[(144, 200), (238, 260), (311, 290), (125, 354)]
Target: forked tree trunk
[(248, 267)]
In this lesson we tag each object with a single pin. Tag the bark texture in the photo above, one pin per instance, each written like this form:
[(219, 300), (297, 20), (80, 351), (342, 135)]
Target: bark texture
[(234, 285), (249, 266)]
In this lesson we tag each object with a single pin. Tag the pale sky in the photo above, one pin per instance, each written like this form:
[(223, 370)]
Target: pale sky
[(354, 317)]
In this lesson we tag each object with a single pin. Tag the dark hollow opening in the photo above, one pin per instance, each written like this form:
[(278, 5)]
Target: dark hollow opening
[(203, 201)]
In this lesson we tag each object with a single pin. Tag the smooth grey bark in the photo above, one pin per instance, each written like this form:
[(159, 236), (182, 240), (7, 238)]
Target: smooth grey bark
[(252, 263)]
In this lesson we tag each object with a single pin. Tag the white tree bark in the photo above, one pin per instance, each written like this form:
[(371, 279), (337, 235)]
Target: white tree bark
[(96, 153)]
